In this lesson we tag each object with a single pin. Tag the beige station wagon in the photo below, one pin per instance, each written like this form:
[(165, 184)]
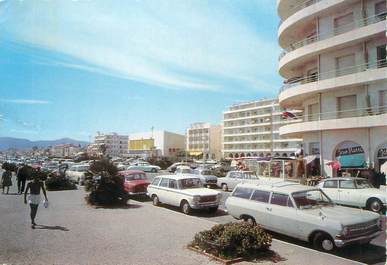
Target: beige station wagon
[(303, 212)]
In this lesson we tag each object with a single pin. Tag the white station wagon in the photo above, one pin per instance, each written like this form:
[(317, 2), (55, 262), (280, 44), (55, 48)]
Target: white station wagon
[(184, 191), (354, 192), (303, 212)]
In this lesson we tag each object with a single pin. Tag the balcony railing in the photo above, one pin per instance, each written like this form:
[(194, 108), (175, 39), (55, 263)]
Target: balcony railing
[(337, 31), (298, 7), (341, 114), (334, 73)]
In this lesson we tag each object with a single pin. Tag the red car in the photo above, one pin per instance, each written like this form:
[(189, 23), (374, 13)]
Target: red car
[(136, 182)]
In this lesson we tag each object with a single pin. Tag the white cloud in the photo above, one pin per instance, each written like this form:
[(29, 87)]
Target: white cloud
[(174, 44), (26, 101)]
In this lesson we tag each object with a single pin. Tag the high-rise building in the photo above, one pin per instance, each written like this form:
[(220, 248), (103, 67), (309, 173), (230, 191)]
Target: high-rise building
[(115, 145), (250, 129), (334, 66), (204, 140)]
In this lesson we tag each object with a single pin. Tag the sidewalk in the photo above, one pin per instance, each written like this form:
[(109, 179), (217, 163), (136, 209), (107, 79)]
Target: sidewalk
[(141, 234)]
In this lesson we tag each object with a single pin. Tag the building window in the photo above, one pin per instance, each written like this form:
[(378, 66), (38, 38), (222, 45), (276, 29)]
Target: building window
[(381, 56), (346, 106), (314, 148), (383, 101), (343, 23), (313, 111), (345, 64)]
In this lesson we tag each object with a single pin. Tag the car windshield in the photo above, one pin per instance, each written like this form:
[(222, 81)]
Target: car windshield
[(135, 177), (363, 184), (205, 172), (190, 183), (311, 199), (185, 171), (83, 168)]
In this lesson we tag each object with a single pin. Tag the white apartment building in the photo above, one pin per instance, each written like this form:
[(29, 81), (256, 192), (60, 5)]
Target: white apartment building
[(156, 143), (204, 140), (334, 66), (116, 145), (251, 129), (64, 150)]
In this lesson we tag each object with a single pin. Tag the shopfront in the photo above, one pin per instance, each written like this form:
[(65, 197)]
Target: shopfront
[(381, 157), (350, 155)]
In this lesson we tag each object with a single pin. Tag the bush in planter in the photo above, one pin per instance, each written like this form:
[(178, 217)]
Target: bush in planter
[(105, 187), (233, 240)]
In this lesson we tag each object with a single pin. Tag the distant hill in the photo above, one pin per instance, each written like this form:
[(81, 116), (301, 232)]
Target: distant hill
[(18, 143)]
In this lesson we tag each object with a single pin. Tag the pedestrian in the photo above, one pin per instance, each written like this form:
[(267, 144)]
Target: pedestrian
[(21, 176), (6, 179), (34, 198)]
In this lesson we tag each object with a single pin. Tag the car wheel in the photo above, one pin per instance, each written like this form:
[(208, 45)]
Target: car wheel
[(323, 242), (154, 170), (374, 205), (213, 209), (224, 187), (250, 220), (185, 207), (155, 200)]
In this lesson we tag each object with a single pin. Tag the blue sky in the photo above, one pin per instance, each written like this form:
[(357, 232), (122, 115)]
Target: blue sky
[(72, 68)]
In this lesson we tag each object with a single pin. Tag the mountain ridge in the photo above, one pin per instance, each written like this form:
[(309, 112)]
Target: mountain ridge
[(21, 143)]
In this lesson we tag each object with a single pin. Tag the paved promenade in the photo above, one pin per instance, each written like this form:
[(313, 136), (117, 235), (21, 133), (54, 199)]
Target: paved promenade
[(74, 233)]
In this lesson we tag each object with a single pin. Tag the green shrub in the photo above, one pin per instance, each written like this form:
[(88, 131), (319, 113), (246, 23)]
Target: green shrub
[(233, 240), (105, 187), (54, 182)]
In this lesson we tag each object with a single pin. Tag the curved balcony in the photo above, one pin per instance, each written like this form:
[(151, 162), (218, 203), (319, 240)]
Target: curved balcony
[(337, 120), (286, 8), (345, 35), (303, 14), (295, 91)]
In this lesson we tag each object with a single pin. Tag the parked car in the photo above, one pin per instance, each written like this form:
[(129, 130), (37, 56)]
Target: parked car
[(77, 173), (172, 168), (144, 166), (354, 192), (208, 179), (303, 212), (184, 191), (235, 177), (135, 182)]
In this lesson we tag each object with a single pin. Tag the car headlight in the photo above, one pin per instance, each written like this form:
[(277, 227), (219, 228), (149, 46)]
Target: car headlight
[(196, 198), (345, 231)]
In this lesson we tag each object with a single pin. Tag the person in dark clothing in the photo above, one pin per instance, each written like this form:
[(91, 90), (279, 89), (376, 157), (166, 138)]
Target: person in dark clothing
[(6, 179), (21, 176)]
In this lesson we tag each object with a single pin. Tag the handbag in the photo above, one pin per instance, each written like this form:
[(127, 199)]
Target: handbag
[(45, 204)]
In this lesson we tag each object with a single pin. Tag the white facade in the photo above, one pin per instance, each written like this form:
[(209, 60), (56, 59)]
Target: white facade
[(334, 66), (64, 150), (159, 143), (116, 145), (251, 129), (204, 139)]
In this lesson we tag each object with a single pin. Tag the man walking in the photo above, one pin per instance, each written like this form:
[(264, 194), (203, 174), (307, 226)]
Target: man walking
[(21, 178)]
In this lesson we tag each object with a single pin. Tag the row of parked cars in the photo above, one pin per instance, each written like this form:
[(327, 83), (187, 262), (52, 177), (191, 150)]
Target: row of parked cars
[(303, 212)]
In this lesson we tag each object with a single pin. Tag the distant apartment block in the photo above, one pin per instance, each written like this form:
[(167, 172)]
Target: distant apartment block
[(204, 140), (64, 150), (335, 70), (157, 143), (251, 129), (115, 145)]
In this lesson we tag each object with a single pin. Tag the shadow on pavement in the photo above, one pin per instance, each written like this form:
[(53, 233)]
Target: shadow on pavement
[(11, 193), (127, 206), (141, 198), (48, 227), (369, 253)]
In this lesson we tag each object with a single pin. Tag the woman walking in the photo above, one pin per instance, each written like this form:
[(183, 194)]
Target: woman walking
[(6, 179), (34, 198)]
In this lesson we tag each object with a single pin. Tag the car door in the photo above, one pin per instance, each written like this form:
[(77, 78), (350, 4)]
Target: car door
[(162, 191), (233, 180), (259, 203), (331, 188), (282, 215), (347, 192), (174, 196)]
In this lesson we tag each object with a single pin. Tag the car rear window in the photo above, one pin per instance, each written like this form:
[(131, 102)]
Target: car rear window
[(261, 196), (244, 193), (280, 199)]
